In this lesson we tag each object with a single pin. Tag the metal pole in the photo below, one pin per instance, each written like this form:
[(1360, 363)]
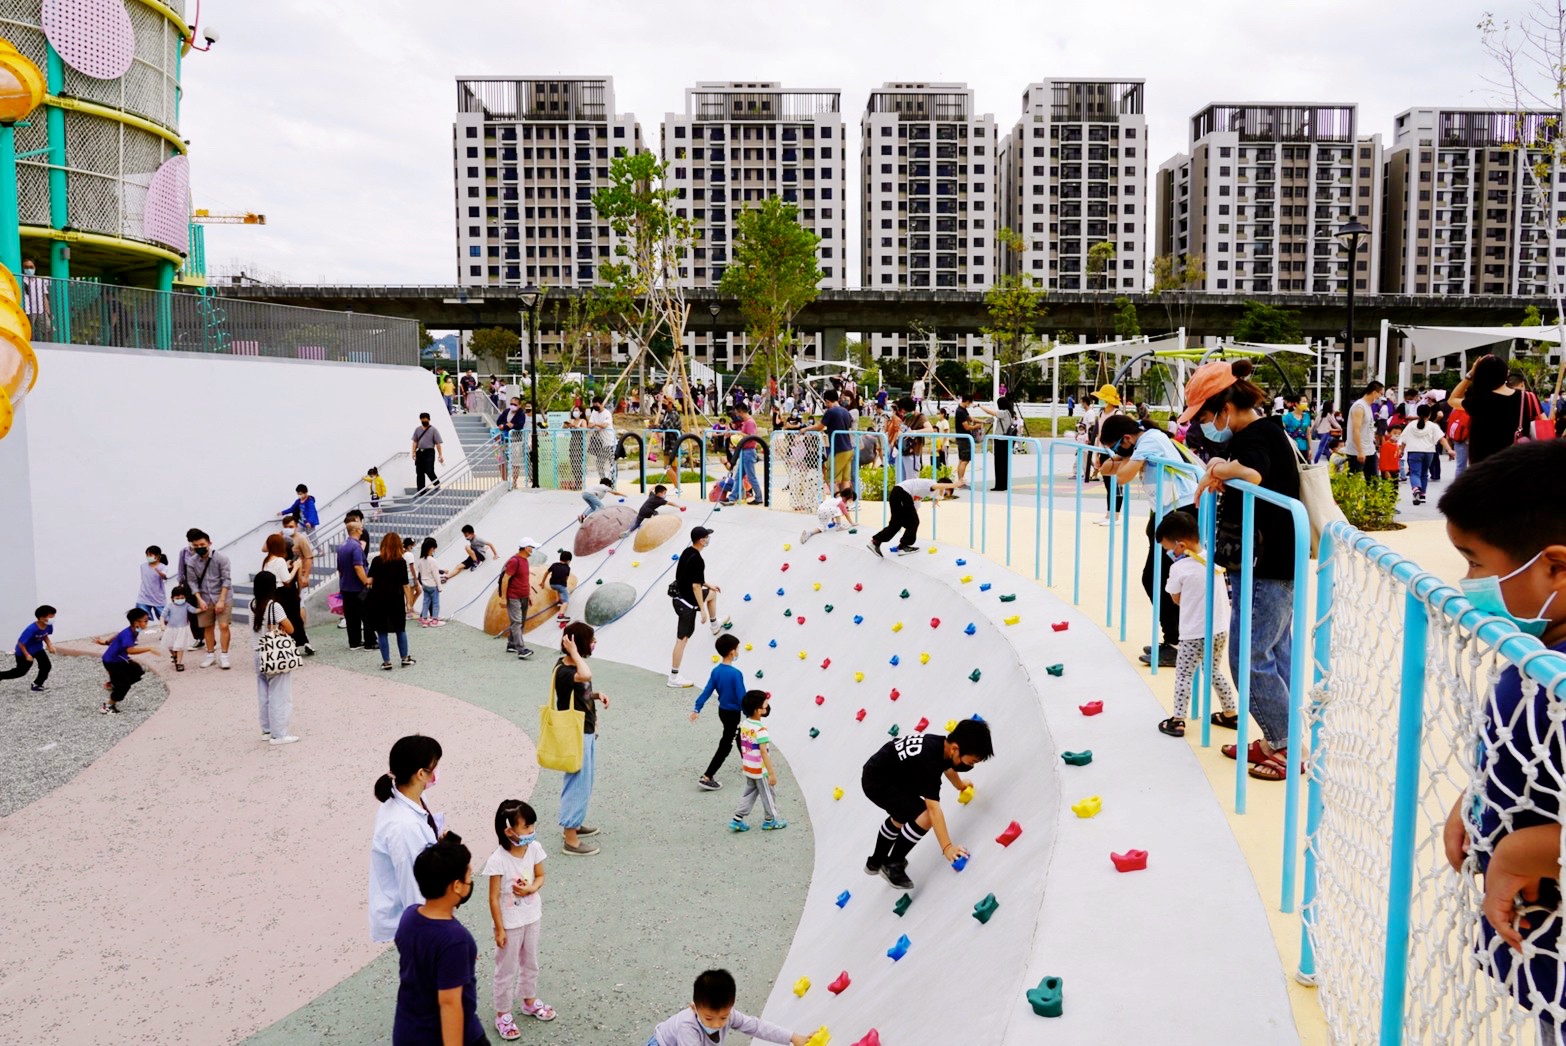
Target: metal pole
[(10, 219), (1322, 639), (532, 388), (1348, 341)]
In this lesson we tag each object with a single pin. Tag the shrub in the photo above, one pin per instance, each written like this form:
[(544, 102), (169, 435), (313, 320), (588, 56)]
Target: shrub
[(872, 476), (1368, 506)]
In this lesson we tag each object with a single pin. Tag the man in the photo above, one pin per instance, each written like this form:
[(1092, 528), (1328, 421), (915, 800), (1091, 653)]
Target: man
[(302, 555), (353, 584), (904, 515), (964, 425), (469, 385), (207, 575), (35, 300), (747, 460), (426, 448), (691, 595), (1360, 433), (516, 588), (840, 424)]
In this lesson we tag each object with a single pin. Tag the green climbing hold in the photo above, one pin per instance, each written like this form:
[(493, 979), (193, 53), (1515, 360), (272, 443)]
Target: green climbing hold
[(903, 594), (1010, 598), (1046, 999), (1082, 758), (893, 731), (1056, 670), (814, 733), (853, 530), (759, 673), (901, 907), (985, 908), (973, 676), (599, 581), (787, 612), (827, 608)]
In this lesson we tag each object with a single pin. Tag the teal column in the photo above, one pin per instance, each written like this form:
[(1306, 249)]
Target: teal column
[(59, 199), (165, 322), (10, 221)]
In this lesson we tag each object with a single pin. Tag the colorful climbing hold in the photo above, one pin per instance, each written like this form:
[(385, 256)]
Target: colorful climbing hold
[(814, 733), (859, 716), (872, 1038), (974, 676), (1046, 999), (773, 643), (859, 619), (837, 793), (933, 550), (749, 647), (780, 591), (1009, 598), (903, 594), (838, 986), (896, 693), (842, 899), (985, 587), (820, 1038), (899, 949), (966, 578), (760, 674), (951, 724), (1009, 836), (1089, 807), (1061, 626), (985, 908), (787, 612), (818, 586), (962, 562), (747, 597), (924, 658), (1130, 861), (971, 629), (827, 608), (920, 725), (636, 562), (787, 547), (1056, 670), (965, 796), (859, 677), (858, 587), (900, 908), (802, 986), (800, 619), (822, 557), (1091, 708), (803, 655), (895, 661), (935, 622), (1082, 758), (961, 863), (897, 626), (1013, 619)]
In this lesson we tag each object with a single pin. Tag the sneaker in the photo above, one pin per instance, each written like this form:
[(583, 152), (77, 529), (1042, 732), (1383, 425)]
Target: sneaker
[(540, 1010), (872, 866), (805, 535), (579, 850), (896, 873), (678, 682), (266, 735), (106, 708), (716, 628), (309, 651), (343, 623), (290, 739), (436, 622), (708, 784), (409, 661), (386, 666), (585, 831), (772, 824), (179, 666), (507, 1028), (223, 662), (875, 546), (209, 661), (524, 654), (424, 622), (736, 825), (1166, 657), (39, 688), (906, 550)]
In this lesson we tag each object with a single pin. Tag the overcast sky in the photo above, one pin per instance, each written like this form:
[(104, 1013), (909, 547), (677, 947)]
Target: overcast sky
[(334, 120)]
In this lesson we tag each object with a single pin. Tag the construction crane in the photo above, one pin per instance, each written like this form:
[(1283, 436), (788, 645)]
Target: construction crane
[(202, 216)]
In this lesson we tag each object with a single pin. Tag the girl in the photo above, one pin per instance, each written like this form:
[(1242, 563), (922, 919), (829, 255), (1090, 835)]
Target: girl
[(274, 694), (428, 575), (516, 874), (377, 489), (153, 574), (176, 626), (274, 560), (388, 582), (404, 826), (1187, 586), (1423, 439), (410, 557)]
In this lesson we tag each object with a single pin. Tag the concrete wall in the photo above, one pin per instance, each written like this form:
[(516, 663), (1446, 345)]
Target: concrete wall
[(118, 449)]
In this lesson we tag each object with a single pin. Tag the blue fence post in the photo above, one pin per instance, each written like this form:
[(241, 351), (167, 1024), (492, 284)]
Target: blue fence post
[(1326, 575), (1244, 596), (1125, 555), (1076, 549), (1207, 514), (1299, 660), (1109, 562), (1158, 565), (1049, 540), (1038, 502)]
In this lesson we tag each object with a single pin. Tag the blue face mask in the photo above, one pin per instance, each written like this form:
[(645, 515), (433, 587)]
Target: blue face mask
[(523, 840), (1485, 594), (1214, 434)]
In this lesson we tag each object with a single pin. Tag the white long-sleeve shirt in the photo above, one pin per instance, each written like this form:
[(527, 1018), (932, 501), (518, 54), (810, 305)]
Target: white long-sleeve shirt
[(402, 831), (683, 1029)]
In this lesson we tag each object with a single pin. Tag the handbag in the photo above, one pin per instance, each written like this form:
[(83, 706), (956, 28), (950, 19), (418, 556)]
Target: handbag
[(561, 734), (278, 653), (1316, 496)]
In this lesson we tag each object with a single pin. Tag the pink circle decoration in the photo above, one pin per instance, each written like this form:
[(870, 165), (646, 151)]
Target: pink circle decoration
[(94, 37), (166, 219)]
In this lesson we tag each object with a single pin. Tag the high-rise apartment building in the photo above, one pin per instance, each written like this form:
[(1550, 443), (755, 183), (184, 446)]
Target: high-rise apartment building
[(738, 143), (1462, 215), (929, 202), (1075, 171), (1262, 193)]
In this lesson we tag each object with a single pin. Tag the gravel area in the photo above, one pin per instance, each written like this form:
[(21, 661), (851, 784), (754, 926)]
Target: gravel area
[(46, 739)]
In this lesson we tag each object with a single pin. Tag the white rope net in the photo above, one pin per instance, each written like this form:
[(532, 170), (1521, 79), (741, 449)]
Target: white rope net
[(798, 483), (1491, 745)]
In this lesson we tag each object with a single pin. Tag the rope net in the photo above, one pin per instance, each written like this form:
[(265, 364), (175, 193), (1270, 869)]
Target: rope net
[(798, 483)]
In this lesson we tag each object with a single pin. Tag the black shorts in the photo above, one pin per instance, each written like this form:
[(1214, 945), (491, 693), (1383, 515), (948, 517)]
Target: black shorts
[(964, 450), (902, 806), (472, 562), (687, 616)]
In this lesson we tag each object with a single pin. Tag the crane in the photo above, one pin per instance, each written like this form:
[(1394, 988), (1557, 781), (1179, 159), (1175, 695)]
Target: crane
[(202, 216)]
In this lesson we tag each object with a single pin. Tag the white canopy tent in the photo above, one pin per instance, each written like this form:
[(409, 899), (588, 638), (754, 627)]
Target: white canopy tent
[(1134, 347), (1431, 343)]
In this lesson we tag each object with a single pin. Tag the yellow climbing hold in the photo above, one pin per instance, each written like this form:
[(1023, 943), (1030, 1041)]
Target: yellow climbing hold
[(787, 547), (803, 655), (898, 627), (716, 659), (933, 550), (951, 724), (967, 578), (820, 1038), (924, 659), (1088, 807), (636, 562), (818, 586), (965, 796), (859, 677), (1013, 619), (749, 647), (802, 986), (837, 793)]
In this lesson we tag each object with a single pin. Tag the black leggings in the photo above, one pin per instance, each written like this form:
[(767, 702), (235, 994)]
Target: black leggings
[(904, 517)]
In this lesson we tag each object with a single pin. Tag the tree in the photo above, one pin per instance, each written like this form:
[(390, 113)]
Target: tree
[(860, 355), (1100, 263), (1015, 306), (494, 347), (1531, 358), (1274, 325), (773, 274), (1126, 323), (1177, 280)]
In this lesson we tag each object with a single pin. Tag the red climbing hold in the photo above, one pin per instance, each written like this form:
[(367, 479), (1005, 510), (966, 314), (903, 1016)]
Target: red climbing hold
[(872, 1038), (1061, 626), (896, 693), (920, 725), (1091, 708), (837, 986), (860, 715), (820, 700), (1009, 836), (858, 587), (800, 619), (826, 662), (822, 557), (935, 622), (1130, 861), (785, 566)]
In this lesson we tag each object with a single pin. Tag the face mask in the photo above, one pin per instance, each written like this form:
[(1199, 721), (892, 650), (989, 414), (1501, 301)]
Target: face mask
[(465, 898), (1485, 594), (180, 601), (1214, 434), (153, 560), (959, 766), (576, 414), (204, 551), (524, 840), (434, 779), (1123, 451), (288, 532), (29, 270)]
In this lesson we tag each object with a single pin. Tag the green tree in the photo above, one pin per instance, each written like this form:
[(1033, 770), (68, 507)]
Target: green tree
[(1532, 357), (494, 347), (1178, 279), (1275, 325), (862, 356), (773, 274), (1126, 323), (1015, 305), (1100, 263)]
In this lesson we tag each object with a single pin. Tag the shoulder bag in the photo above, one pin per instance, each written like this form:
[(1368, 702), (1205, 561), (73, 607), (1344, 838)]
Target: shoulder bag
[(561, 734), (278, 653), (1316, 496)]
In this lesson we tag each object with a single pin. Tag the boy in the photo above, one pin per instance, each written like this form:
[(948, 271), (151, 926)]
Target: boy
[(650, 507), (903, 778), (1515, 549), (1187, 586), (303, 508), (904, 513), (559, 575), (31, 647), (476, 547), (594, 496), (1390, 454), (728, 683), (437, 990), (756, 761), (123, 672), (712, 1016), (829, 512)]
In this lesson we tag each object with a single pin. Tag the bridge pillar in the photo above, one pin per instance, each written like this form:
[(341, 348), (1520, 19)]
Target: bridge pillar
[(830, 343)]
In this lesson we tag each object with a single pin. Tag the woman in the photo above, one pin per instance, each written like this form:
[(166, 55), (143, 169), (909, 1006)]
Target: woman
[(1005, 424), (1296, 422), (1497, 413), (274, 559), (1106, 405), (1422, 440), (573, 689), (278, 562), (274, 693), (387, 611), (404, 826), (574, 468), (1327, 429), (1224, 403)]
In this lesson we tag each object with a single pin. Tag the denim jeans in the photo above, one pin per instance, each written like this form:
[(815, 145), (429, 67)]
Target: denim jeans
[(1420, 463), (747, 470), (402, 643), (431, 601), (1462, 457), (1272, 614), (577, 789), (593, 504)]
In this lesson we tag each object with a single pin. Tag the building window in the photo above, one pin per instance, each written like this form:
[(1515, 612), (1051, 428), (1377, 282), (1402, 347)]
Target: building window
[(472, 132)]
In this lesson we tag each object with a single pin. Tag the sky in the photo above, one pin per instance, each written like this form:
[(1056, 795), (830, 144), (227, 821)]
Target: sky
[(334, 120)]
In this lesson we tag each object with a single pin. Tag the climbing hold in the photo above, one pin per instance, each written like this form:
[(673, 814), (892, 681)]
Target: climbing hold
[(933, 550), (787, 612), (1130, 861), (822, 557), (974, 676), (827, 608), (1088, 807), (900, 908), (803, 655), (772, 643), (859, 677), (1013, 619), (900, 949), (802, 986), (820, 1038), (599, 581), (903, 594), (951, 724), (814, 733), (842, 899), (895, 661), (760, 674), (965, 796), (858, 587), (920, 725), (896, 693), (935, 622), (749, 647), (636, 562), (747, 597), (780, 591), (872, 1038), (1091, 708), (1009, 836), (985, 587), (818, 586), (893, 731), (787, 547), (1082, 758), (859, 716), (1009, 598), (961, 863), (897, 626), (837, 793), (716, 659), (858, 619), (675, 558), (924, 658), (853, 530), (1061, 626), (962, 562), (981, 911), (838, 986), (966, 578), (800, 619), (1046, 999), (976, 717), (1056, 670), (971, 629)]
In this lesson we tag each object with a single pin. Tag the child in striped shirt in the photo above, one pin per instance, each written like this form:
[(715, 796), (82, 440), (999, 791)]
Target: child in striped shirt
[(756, 762)]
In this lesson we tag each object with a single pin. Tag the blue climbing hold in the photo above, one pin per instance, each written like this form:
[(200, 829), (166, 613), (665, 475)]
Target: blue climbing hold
[(675, 558), (859, 619), (977, 718), (842, 899), (970, 630), (900, 949), (895, 661), (962, 562), (984, 587), (747, 597), (773, 643), (780, 591), (961, 863)]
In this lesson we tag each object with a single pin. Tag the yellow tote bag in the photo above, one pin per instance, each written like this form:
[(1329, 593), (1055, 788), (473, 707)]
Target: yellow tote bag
[(560, 735)]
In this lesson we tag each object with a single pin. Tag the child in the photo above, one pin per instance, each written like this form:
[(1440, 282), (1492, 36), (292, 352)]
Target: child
[(829, 513), (728, 683), (516, 874), (476, 547), (756, 761), (559, 575), (377, 489), (1515, 549), (905, 513), (712, 1016), (303, 508), (1187, 586), (436, 954), (1390, 453), (903, 778), (594, 496), (176, 626), (650, 507), (427, 575), (31, 646), (410, 594), (123, 672), (153, 577)]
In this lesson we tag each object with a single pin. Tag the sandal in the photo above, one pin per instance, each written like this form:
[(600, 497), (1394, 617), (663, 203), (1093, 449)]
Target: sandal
[(1274, 768), (506, 1027), (1227, 720), (1254, 753), (1173, 726), (540, 1010)]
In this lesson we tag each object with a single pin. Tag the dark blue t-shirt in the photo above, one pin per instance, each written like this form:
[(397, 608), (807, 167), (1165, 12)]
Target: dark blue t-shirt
[(32, 638), (839, 421), (350, 554), (123, 640), (434, 955)]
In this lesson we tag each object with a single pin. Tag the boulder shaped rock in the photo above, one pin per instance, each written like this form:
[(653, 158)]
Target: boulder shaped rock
[(602, 529), (655, 531), (608, 603)]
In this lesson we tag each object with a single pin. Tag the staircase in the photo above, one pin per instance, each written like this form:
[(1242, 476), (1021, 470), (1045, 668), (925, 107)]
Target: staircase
[(472, 429)]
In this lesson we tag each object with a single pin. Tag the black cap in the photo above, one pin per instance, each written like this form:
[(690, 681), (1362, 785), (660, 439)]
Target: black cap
[(697, 533)]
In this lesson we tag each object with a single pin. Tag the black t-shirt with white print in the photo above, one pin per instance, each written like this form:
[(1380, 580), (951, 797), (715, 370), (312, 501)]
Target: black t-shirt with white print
[(911, 763)]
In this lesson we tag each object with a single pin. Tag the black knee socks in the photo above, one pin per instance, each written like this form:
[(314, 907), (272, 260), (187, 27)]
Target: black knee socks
[(884, 840), (901, 846)]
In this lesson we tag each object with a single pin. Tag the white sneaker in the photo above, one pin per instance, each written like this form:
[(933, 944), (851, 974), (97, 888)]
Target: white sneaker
[(343, 623), (290, 739), (266, 735), (805, 535), (716, 628), (223, 662), (209, 661), (677, 682)]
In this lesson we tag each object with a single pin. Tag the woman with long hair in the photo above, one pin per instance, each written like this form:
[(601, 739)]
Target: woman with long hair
[(573, 689), (1498, 414), (274, 693), (387, 610)]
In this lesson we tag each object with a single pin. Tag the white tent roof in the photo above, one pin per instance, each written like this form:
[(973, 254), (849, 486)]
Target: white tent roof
[(1268, 349), (1114, 348), (1433, 342)]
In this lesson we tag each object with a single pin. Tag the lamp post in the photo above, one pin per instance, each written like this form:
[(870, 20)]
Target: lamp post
[(1350, 235), (531, 297), (713, 308)]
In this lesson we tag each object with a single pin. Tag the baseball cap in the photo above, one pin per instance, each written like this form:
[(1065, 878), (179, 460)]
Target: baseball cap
[(1209, 380), (697, 533), (528, 543), (1108, 394)]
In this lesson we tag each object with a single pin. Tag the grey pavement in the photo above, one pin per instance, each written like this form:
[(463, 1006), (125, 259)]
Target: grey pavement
[(672, 893)]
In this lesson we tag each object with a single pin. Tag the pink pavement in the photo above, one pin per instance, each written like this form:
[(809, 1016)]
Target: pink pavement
[(194, 885)]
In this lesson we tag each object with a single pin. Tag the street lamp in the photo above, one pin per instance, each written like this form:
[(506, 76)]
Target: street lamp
[(1349, 235), (531, 297), (713, 308)]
